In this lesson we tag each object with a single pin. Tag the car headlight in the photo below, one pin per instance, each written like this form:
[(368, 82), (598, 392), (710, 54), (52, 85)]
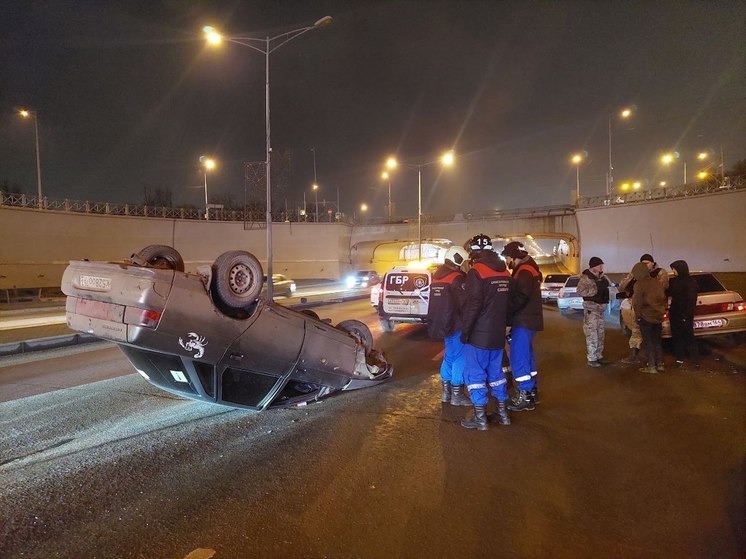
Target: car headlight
[(350, 281), (292, 287)]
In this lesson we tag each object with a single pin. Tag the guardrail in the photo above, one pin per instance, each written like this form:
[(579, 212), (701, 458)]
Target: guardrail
[(705, 187)]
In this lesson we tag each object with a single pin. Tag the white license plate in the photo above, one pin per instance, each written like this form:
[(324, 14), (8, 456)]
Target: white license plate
[(714, 323), (94, 283)]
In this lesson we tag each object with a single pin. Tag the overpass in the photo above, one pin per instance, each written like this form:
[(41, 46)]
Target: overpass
[(706, 228)]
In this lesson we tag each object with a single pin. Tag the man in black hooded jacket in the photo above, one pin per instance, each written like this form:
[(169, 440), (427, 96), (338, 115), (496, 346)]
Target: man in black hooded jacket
[(483, 322), (683, 292)]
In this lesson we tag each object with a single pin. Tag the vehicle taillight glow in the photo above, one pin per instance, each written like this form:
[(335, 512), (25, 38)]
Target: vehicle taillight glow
[(142, 317)]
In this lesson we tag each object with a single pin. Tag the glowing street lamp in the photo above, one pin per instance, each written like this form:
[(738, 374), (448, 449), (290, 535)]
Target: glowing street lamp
[(315, 188), (266, 46), (702, 175), (208, 164), (363, 207), (446, 160), (670, 157), (25, 113), (623, 114), (577, 159)]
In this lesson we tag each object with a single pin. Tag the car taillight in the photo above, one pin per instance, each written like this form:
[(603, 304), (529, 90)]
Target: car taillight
[(737, 306), (142, 317)]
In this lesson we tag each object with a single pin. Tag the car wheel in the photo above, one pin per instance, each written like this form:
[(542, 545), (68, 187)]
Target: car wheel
[(387, 325), (237, 279), (163, 257), (310, 313), (359, 331), (565, 312)]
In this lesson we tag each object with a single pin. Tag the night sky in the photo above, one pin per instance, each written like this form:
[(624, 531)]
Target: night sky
[(128, 97)]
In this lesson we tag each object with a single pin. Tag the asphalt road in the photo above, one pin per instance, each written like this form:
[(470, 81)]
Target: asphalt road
[(612, 463)]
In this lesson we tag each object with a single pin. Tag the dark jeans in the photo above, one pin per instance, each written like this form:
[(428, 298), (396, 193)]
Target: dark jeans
[(651, 341), (682, 338)]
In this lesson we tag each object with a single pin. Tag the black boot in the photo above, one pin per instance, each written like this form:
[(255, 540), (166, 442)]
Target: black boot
[(445, 396), (458, 398), (534, 394), (503, 418), (479, 421), (632, 357), (521, 402)]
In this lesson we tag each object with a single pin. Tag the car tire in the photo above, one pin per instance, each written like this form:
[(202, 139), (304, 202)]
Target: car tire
[(359, 331), (162, 256), (387, 326), (565, 312), (237, 279)]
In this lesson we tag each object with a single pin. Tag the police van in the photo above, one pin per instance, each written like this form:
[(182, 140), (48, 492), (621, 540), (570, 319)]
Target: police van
[(404, 297)]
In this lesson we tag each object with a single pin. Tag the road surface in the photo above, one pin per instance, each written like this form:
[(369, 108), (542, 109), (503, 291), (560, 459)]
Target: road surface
[(612, 463)]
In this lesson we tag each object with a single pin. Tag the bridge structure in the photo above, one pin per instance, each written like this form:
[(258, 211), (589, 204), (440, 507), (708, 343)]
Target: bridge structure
[(704, 226)]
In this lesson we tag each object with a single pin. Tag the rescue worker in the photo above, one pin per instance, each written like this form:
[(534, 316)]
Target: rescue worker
[(649, 301), (683, 291), (525, 314), (484, 320), (594, 288), (444, 323)]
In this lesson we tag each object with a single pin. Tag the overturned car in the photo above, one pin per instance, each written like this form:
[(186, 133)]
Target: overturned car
[(209, 336)]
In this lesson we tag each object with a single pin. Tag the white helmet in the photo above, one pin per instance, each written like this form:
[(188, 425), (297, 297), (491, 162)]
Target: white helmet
[(457, 255)]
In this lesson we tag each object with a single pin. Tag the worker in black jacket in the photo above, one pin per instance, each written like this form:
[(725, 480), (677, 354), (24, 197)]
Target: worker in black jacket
[(682, 289), (484, 321), (444, 323), (526, 316)]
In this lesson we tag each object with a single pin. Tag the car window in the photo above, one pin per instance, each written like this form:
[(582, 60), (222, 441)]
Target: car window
[(556, 278), (572, 281), (707, 283)]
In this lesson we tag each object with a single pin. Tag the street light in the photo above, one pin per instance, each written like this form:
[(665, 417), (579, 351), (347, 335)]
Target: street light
[(623, 114), (385, 176), (447, 160), (577, 159), (670, 157), (266, 46), (315, 188), (208, 164), (24, 113)]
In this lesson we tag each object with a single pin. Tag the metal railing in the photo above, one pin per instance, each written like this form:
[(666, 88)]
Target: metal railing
[(696, 189)]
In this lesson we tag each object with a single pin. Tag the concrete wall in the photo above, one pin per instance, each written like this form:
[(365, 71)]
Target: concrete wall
[(36, 246), (707, 231)]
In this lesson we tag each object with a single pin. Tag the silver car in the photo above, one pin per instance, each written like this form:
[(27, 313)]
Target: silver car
[(209, 336)]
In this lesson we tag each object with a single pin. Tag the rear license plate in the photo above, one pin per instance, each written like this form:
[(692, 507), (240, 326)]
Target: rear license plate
[(94, 283), (713, 323)]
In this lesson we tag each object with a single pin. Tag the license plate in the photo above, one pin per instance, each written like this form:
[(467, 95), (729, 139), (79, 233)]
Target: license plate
[(94, 283), (714, 323)]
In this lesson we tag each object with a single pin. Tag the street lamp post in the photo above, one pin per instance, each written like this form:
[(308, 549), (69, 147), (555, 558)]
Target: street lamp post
[(315, 189), (385, 176), (266, 46), (624, 114), (208, 164), (446, 160), (28, 114), (577, 159)]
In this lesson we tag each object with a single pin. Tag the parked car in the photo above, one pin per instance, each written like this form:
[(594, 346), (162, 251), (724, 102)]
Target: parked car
[(551, 285), (211, 337), (405, 294), (282, 285), (568, 300), (362, 278), (718, 310), (375, 295)]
